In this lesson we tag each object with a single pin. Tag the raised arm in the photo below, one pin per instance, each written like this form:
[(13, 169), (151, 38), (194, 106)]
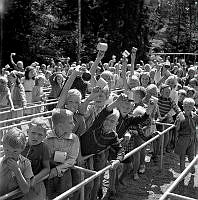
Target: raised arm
[(12, 61), (66, 88), (133, 56), (99, 57)]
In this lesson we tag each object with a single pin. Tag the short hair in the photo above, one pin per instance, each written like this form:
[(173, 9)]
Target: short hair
[(37, 78), (73, 93), (151, 86), (163, 86), (15, 138), (193, 80), (60, 115), (108, 74), (140, 90), (191, 90), (189, 101), (171, 78), (182, 91), (39, 121)]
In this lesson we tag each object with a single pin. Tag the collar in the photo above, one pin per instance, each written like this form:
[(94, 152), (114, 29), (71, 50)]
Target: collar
[(67, 136), (191, 114)]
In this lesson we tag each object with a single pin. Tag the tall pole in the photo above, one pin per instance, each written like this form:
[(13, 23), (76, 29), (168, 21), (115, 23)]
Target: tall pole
[(1, 31), (79, 30)]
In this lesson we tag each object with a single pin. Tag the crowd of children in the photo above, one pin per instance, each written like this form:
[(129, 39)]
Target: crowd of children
[(92, 125)]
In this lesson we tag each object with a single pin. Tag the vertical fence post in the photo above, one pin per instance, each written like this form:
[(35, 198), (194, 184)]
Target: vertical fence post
[(162, 149), (82, 190)]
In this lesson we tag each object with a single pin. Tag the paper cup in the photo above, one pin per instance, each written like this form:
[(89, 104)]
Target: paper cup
[(102, 47), (101, 83), (60, 156), (126, 53)]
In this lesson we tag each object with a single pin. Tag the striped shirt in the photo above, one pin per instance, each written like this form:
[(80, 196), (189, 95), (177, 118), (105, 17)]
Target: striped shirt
[(166, 104), (95, 140)]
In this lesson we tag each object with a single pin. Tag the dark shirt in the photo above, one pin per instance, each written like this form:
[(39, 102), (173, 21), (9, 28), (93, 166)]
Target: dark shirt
[(94, 140), (36, 154), (125, 122)]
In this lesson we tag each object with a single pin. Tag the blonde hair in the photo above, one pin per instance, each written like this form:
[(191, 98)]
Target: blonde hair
[(115, 114), (39, 121), (188, 101), (73, 93), (15, 138), (60, 116)]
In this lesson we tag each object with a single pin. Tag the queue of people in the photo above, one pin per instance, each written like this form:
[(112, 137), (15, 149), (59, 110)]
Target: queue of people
[(92, 125)]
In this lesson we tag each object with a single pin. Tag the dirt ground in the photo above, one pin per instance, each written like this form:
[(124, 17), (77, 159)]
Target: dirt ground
[(154, 182)]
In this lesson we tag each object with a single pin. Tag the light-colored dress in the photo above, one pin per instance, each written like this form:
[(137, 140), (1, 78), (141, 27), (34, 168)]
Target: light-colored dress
[(28, 85)]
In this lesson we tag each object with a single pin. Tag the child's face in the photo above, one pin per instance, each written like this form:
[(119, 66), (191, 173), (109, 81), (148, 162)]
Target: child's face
[(41, 82), (59, 80), (136, 97), (152, 92), (73, 103), (110, 123), (190, 94), (133, 83), (125, 108), (32, 73), (11, 152), (181, 97), (101, 99), (68, 125), (36, 134), (166, 92), (188, 107), (172, 83), (145, 79)]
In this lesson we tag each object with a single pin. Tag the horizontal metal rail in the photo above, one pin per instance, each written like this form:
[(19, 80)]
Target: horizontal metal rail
[(25, 117), (181, 176), (20, 124), (95, 174), (180, 197), (29, 107), (100, 172)]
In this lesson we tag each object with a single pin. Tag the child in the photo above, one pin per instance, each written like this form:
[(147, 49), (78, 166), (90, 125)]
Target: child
[(186, 126), (64, 148), (166, 104), (37, 92), (37, 152), (15, 170), (29, 82), (5, 101), (100, 136), (182, 94)]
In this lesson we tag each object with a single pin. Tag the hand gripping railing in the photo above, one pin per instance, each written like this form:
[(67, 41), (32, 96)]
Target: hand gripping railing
[(96, 174), (100, 172)]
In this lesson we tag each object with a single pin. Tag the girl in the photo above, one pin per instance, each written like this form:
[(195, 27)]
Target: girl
[(145, 79), (29, 82), (5, 101)]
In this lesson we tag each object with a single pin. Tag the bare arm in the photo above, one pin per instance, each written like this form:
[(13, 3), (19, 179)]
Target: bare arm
[(133, 56), (99, 57), (66, 88)]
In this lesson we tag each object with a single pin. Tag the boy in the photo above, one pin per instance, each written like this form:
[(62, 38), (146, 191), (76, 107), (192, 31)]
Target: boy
[(15, 170), (38, 153), (166, 107), (186, 126), (100, 136), (64, 148)]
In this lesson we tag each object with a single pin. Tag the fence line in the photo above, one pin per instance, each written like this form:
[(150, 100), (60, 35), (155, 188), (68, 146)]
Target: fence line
[(25, 117), (100, 172), (20, 124), (29, 107), (181, 176)]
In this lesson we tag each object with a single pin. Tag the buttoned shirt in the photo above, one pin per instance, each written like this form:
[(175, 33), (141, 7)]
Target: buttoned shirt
[(68, 143)]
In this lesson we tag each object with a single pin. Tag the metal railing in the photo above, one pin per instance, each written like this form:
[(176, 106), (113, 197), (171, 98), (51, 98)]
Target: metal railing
[(169, 193), (100, 172)]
